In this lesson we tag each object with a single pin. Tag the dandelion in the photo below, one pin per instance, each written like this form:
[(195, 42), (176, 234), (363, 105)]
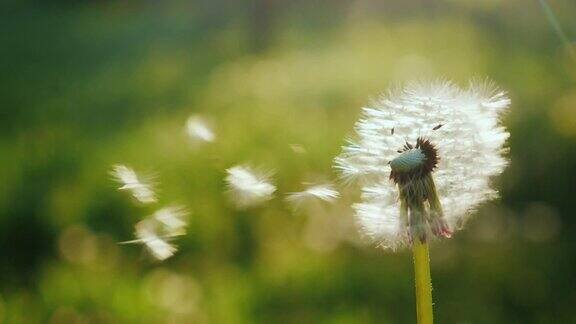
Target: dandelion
[(248, 187), (323, 192), (198, 130), (130, 181), (424, 155), (146, 233), (173, 218), (298, 148), (155, 232)]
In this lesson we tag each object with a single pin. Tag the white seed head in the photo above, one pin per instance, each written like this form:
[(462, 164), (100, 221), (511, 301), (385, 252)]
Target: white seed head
[(323, 192), (198, 130), (248, 187), (463, 127), (130, 181)]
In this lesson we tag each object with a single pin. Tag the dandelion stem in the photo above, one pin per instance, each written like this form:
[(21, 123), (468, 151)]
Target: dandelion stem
[(423, 283)]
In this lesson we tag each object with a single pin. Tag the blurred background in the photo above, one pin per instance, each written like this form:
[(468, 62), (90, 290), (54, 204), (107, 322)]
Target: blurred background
[(87, 84)]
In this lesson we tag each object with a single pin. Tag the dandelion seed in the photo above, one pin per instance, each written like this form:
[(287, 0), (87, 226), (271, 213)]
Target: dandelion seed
[(422, 179), (247, 187), (127, 177), (198, 130), (147, 234), (298, 148), (173, 220), (156, 231), (323, 192)]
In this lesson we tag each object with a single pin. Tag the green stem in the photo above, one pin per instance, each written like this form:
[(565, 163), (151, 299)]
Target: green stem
[(423, 282)]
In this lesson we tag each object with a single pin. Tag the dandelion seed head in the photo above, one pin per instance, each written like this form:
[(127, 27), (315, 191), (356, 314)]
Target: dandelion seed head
[(324, 192), (414, 132), (248, 187), (130, 181), (197, 129)]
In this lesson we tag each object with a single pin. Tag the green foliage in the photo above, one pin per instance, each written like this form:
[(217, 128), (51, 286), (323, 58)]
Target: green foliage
[(89, 84)]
